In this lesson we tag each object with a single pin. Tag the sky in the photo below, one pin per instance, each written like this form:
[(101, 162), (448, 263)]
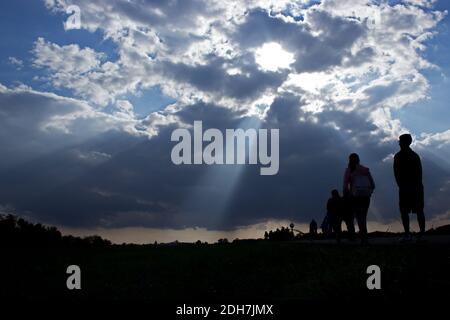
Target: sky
[(86, 114)]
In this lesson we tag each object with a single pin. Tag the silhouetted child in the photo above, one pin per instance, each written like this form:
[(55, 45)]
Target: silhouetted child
[(408, 174), (325, 226), (334, 213)]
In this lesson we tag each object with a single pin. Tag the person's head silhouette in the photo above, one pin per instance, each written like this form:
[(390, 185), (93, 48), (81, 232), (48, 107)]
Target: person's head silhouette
[(335, 193), (353, 161), (405, 141)]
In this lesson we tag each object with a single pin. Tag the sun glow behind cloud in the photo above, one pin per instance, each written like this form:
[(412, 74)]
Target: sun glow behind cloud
[(272, 57)]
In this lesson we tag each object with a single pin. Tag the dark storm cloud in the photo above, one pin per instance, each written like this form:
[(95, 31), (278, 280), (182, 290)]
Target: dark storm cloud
[(24, 114), (46, 142), (212, 77), (118, 180), (136, 184)]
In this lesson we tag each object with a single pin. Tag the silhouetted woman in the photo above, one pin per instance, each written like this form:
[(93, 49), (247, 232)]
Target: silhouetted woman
[(358, 186)]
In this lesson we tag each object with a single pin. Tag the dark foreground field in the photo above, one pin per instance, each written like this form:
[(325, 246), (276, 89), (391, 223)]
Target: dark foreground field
[(258, 270)]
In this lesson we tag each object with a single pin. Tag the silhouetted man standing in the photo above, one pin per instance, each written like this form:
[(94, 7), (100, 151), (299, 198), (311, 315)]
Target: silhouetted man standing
[(408, 174)]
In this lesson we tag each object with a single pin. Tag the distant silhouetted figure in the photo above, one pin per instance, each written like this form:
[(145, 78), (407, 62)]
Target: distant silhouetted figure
[(325, 226), (313, 228), (334, 213), (408, 174), (358, 186)]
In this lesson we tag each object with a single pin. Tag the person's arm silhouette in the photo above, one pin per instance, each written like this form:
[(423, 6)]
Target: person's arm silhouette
[(397, 166), (418, 168), (345, 187), (372, 182)]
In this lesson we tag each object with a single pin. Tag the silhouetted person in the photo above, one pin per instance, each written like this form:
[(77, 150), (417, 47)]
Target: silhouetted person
[(334, 213), (313, 228), (325, 226), (358, 186), (408, 174)]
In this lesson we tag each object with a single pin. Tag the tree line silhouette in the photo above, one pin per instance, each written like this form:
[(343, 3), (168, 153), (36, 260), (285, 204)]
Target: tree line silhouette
[(17, 232)]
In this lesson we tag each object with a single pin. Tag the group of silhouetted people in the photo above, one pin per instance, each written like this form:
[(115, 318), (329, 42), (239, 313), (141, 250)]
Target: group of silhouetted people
[(283, 234), (358, 186)]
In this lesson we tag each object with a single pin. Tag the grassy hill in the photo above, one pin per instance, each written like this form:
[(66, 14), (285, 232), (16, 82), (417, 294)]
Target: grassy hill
[(246, 270)]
